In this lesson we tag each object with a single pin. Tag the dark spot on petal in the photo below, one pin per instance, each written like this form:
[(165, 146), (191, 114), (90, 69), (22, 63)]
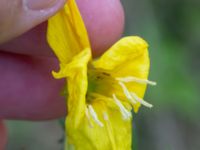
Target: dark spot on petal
[(104, 73)]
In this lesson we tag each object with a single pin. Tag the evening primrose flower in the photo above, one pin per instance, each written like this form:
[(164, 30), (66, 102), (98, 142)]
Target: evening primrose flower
[(100, 93)]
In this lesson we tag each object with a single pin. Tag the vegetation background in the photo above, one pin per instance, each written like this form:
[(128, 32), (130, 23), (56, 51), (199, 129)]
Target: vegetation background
[(172, 29)]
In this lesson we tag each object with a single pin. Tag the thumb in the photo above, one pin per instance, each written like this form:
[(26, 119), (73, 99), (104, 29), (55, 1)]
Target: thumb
[(3, 136), (18, 16)]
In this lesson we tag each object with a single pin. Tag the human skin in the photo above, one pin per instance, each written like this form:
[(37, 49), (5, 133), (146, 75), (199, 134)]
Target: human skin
[(27, 88), (3, 137)]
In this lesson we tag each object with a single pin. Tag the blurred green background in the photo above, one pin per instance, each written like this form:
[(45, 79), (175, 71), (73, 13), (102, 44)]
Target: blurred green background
[(172, 29)]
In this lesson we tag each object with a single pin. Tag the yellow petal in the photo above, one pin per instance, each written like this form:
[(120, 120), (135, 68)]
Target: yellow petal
[(68, 38), (79, 61), (128, 57), (66, 33), (116, 134), (76, 102), (77, 84)]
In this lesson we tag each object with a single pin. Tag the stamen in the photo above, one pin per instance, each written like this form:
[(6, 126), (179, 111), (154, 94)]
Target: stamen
[(94, 116), (127, 93), (88, 117), (135, 79), (125, 113), (143, 102), (105, 116)]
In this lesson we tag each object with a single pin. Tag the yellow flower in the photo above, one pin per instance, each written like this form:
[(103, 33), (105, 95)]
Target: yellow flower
[(102, 92)]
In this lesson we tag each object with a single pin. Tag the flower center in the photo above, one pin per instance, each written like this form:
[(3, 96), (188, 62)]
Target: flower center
[(97, 79)]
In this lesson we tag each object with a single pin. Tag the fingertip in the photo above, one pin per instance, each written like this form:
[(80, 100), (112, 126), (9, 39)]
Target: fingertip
[(35, 93), (3, 136), (19, 16), (104, 21)]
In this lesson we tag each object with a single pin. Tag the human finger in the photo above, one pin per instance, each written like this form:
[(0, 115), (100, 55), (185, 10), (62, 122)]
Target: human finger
[(104, 21), (19, 16), (3, 136), (28, 90)]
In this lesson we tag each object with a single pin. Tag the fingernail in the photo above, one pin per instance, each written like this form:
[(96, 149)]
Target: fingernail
[(39, 4)]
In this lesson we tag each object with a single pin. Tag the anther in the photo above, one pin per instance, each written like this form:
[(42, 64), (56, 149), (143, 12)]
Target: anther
[(143, 102), (127, 93), (105, 116), (88, 117), (94, 116), (135, 79), (125, 113)]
